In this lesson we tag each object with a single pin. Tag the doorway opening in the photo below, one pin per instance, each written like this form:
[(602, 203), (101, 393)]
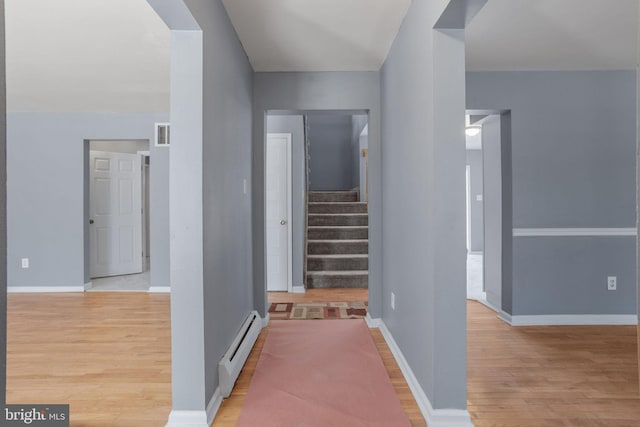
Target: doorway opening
[(118, 211), (474, 208), (327, 152)]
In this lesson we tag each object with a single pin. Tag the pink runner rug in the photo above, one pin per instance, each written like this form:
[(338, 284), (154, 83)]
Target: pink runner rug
[(321, 374)]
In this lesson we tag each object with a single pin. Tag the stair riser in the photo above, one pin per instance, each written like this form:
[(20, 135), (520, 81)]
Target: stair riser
[(338, 220), (338, 233), (332, 264), (342, 196), (325, 248), (319, 282), (338, 208)]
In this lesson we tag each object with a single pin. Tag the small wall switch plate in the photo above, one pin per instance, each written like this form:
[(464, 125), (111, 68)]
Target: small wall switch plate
[(479, 197), (25, 262), (612, 284), (393, 301)]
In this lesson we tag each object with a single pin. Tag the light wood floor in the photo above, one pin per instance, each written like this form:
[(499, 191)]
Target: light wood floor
[(108, 355), (584, 376)]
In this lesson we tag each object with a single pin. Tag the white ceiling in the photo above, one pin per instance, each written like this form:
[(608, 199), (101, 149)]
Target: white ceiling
[(317, 35), (554, 35), (113, 55), (86, 55)]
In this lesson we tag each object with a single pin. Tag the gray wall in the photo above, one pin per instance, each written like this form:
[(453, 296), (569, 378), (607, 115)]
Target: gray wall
[(302, 92), (294, 124), (424, 207), (492, 206), (226, 157), (474, 161), (330, 153), (3, 215), (358, 123), (573, 166), (47, 157)]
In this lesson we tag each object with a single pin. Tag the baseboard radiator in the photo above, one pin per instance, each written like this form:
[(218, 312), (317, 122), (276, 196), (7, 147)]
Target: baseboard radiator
[(231, 364)]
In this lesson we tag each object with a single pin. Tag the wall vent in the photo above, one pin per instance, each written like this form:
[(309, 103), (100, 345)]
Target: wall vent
[(163, 135)]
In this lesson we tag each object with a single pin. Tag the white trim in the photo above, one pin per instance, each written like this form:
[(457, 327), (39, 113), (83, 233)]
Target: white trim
[(570, 319), (371, 322), (213, 406), (505, 317), (160, 289), (572, 232), (433, 417), (265, 320), (88, 286), (44, 289), (187, 419), (298, 289)]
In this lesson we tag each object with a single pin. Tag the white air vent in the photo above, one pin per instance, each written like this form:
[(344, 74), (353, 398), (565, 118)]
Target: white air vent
[(163, 135)]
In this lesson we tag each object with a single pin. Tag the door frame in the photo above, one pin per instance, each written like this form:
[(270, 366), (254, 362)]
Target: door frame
[(288, 137)]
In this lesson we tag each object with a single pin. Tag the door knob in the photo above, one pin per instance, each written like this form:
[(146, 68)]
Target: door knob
[(283, 222), (90, 221)]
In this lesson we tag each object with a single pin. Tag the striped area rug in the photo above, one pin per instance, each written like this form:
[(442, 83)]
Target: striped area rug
[(318, 310)]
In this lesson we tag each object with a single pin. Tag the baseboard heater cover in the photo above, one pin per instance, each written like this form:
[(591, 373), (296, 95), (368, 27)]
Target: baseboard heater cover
[(231, 364)]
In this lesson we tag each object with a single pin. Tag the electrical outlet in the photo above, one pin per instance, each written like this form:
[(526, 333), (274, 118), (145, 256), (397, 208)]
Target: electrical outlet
[(25, 262), (393, 301), (612, 284)]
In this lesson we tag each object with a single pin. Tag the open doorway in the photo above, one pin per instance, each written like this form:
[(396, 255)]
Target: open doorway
[(118, 215), (326, 152), (474, 209)]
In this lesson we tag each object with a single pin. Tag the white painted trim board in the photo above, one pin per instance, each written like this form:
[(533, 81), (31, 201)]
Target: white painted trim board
[(574, 232), (160, 290), (570, 319), (433, 417), (44, 289)]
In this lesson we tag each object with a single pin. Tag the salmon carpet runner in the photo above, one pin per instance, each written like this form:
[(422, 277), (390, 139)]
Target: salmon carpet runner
[(321, 374)]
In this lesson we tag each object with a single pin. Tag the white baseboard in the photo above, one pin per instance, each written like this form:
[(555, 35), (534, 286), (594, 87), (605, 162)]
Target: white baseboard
[(570, 319), (44, 289), (160, 290), (187, 419), (265, 320), (371, 322), (88, 286), (433, 417), (298, 289), (214, 406)]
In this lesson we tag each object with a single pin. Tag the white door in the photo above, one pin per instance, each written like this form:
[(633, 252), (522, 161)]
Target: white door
[(278, 209), (115, 214)]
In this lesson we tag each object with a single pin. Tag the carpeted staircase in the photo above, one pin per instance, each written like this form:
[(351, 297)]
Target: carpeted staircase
[(337, 245)]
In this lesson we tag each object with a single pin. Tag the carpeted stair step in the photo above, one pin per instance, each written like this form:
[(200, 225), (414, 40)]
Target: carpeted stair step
[(337, 262), (333, 196), (337, 207), (338, 219), (334, 233), (337, 279), (319, 247)]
